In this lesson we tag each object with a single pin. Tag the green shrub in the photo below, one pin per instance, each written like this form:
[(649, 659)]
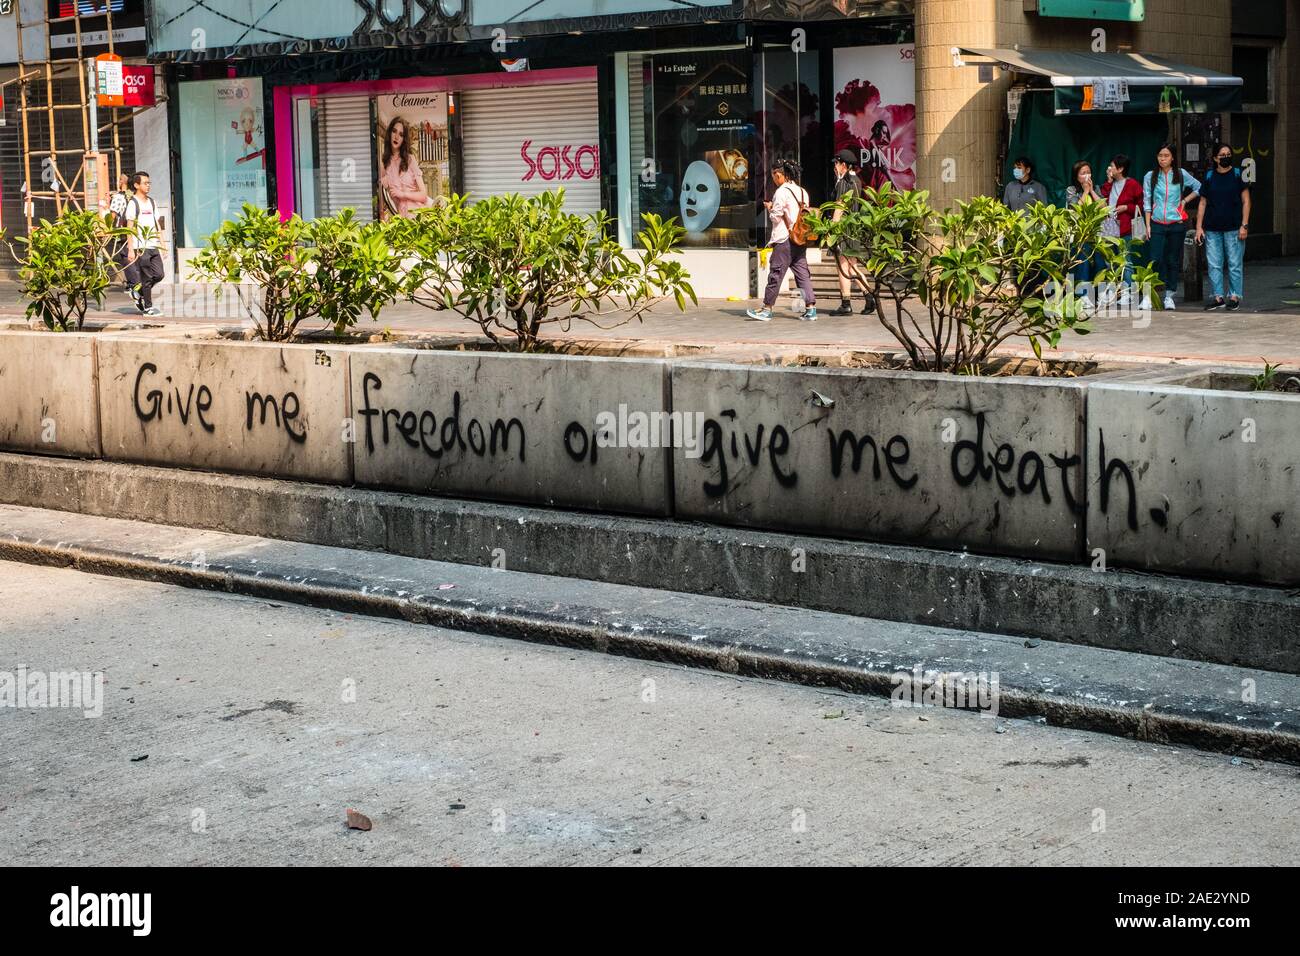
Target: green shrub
[(953, 286), (333, 268), (64, 265), (514, 264)]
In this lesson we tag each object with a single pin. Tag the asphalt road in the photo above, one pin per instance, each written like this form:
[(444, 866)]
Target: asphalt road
[(471, 750)]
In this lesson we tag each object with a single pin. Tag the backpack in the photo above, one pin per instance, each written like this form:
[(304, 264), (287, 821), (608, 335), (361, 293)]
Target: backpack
[(801, 233), (119, 215)]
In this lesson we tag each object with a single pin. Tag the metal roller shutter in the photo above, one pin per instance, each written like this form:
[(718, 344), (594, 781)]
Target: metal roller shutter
[(529, 139), (346, 140)]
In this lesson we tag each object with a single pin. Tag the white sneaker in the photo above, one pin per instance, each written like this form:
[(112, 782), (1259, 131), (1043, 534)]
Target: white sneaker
[(1169, 302), (1145, 304)]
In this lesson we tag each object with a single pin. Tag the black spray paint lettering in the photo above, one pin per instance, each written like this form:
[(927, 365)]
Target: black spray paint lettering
[(422, 430), (972, 462), (158, 404), (285, 412), (1116, 466), (572, 433), (715, 452), (894, 459)]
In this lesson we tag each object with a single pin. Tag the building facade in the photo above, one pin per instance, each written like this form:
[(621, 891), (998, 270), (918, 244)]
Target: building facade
[(133, 135), (682, 109)]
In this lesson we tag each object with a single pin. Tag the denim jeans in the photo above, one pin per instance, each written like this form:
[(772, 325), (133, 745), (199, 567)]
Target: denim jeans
[(1166, 249), (1220, 246)]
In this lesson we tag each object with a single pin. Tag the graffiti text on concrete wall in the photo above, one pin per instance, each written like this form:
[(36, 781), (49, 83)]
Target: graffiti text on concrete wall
[(422, 429), (973, 462), (156, 398)]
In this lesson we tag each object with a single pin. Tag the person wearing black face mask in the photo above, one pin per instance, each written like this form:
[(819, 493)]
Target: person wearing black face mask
[(1222, 223)]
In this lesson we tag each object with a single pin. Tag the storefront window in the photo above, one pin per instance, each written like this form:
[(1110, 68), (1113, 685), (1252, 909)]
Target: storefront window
[(691, 143), (332, 156), (223, 152), (790, 121)]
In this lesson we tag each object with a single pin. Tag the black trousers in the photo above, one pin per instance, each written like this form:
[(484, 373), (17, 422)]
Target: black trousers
[(145, 273)]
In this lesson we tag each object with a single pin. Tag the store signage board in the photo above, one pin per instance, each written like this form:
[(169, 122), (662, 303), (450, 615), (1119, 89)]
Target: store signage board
[(310, 26), (1131, 10), (108, 79), (138, 86)]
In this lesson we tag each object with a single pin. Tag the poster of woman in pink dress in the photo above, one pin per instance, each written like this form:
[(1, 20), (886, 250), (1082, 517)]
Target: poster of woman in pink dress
[(411, 142), (401, 183), (875, 111)]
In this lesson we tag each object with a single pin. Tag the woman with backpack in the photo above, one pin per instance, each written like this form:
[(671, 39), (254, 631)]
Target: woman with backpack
[(1165, 191), (787, 238)]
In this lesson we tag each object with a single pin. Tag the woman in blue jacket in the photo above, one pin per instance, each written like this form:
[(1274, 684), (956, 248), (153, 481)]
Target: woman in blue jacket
[(1165, 191)]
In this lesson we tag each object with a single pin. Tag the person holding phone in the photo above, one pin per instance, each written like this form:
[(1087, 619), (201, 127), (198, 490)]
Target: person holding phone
[(1165, 192), (1222, 223), (783, 212)]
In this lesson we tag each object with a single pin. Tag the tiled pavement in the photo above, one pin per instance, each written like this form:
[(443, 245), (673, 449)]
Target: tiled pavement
[(1267, 327)]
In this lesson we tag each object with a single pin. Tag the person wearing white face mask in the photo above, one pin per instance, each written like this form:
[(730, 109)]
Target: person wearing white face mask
[(1024, 189)]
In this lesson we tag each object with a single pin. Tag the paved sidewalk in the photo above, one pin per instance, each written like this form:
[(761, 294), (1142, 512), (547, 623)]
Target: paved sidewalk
[(1267, 327)]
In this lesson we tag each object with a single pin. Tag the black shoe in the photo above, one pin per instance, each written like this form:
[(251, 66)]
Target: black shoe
[(870, 307), (845, 308), (1215, 304), (1234, 305)]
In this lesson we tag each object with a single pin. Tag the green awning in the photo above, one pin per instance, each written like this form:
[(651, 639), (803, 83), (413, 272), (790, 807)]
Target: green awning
[(1088, 84)]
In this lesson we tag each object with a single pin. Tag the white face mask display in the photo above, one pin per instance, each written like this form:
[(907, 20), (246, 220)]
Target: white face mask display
[(701, 196)]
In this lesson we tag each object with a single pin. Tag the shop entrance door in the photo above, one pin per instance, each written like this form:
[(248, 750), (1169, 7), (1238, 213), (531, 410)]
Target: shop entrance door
[(790, 125)]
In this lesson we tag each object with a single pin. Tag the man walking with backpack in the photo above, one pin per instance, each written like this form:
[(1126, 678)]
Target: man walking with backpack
[(144, 263)]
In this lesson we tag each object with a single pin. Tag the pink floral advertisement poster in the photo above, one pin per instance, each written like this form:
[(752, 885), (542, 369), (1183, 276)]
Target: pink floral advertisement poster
[(875, 111)]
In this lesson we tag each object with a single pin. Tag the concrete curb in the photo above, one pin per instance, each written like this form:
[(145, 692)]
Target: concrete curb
[(1210, 621), (1196, 705)]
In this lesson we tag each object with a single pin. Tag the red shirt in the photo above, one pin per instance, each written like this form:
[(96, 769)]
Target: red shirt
[(1131, 196)]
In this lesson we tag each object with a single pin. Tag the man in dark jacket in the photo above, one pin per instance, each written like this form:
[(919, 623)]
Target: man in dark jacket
[(1024, 189), (848, 187)]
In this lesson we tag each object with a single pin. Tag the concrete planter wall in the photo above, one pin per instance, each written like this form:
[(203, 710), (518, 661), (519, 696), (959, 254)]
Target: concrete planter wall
[(990, 464), (48, 394), (1152, 474), (227, 406), (508, 427), (1195, 480)]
